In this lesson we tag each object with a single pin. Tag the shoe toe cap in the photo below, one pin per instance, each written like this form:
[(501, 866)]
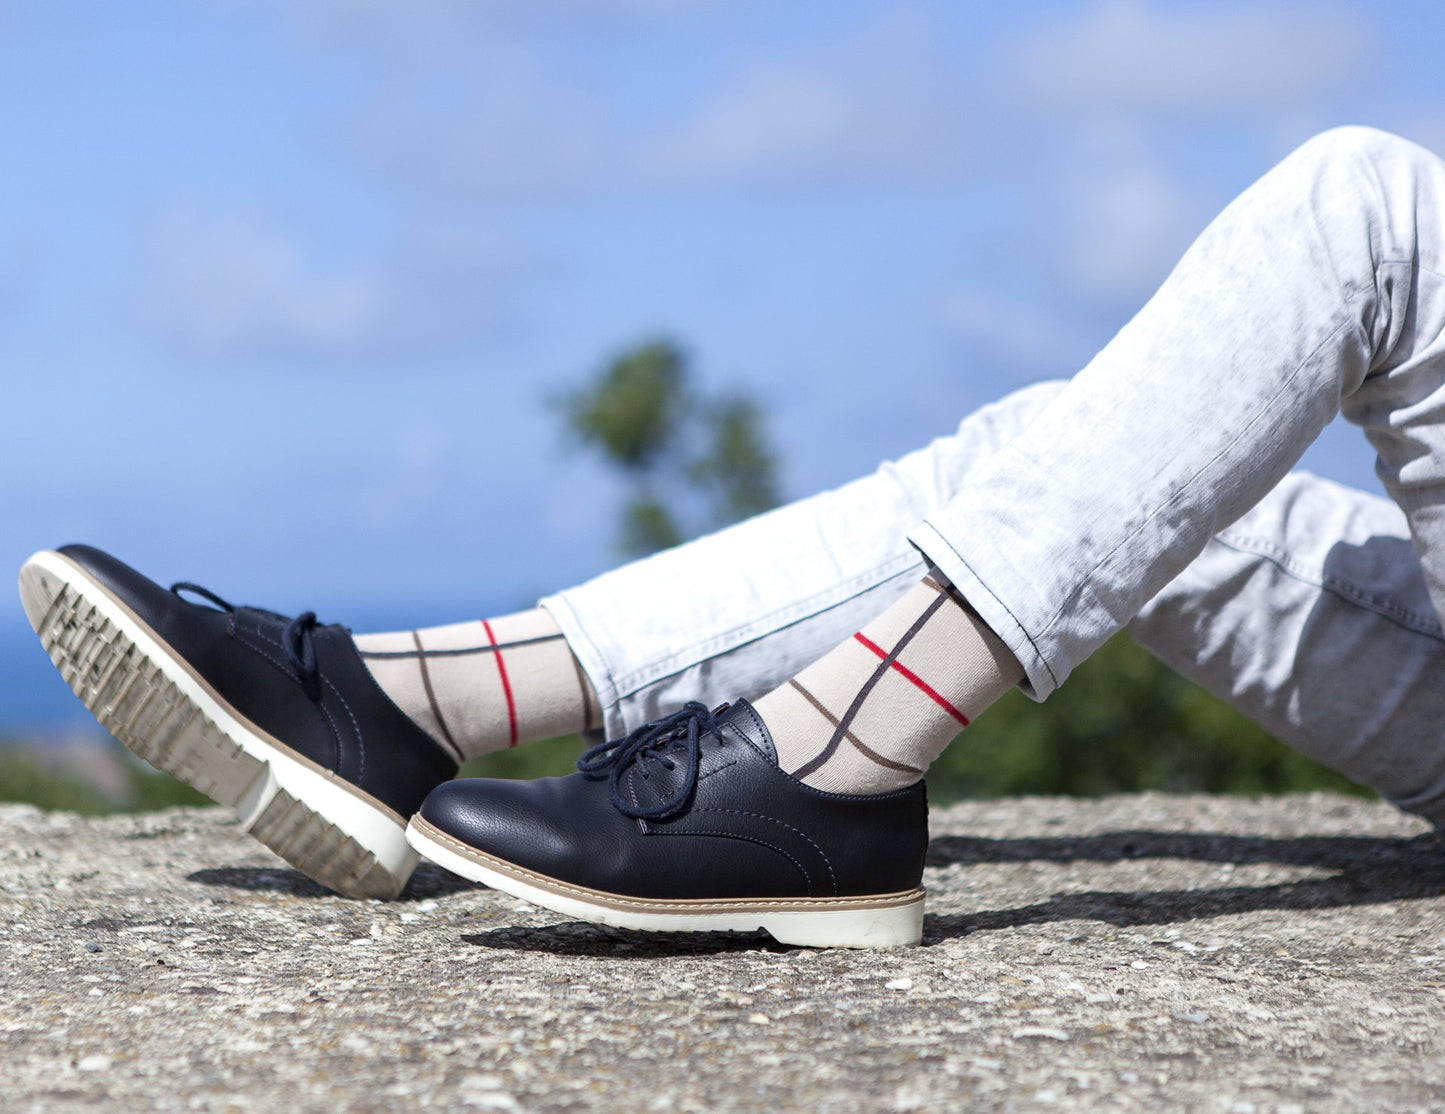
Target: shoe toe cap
[(529, 823)]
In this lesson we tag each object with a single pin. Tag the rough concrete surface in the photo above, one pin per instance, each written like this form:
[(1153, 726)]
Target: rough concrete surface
[(1134, 953)]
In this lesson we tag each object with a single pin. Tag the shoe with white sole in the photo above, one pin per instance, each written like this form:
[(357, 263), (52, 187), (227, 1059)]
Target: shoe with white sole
[(688, 825), (275, 717)]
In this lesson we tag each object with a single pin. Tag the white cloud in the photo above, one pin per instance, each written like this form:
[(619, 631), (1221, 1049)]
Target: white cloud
[(230, 283), (479, 101), (1020, 334), (1127, 222), (503, 117), (511, 130), (1128, 55), (881, 104)]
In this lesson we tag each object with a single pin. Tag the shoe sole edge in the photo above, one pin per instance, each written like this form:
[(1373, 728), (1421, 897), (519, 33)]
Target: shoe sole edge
[(162, 711), (870, 921)]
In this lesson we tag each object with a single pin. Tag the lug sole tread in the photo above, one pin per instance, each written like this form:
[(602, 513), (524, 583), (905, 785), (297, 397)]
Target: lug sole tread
[(132, 698)]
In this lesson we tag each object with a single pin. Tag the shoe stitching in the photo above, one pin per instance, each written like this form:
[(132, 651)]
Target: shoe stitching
[(99, 596), (242, 638), (718, 769), (632, 792), (750, 839), (360, 739), (782, 824), (827, 794)]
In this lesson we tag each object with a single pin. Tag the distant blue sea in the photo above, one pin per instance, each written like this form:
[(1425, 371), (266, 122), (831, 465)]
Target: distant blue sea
[(34, 701)]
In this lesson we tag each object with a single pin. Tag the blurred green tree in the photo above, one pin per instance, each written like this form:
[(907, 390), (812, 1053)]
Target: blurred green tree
[(692, 461)]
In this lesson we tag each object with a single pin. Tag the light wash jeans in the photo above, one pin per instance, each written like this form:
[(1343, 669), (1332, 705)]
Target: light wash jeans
[(1152, 491)]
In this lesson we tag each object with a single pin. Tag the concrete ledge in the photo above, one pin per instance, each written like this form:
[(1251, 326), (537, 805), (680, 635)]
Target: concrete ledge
[(1148, 953)]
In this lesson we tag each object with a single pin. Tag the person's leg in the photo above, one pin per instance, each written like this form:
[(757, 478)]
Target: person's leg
[(1310, 615), (325, 743), (1321, 282), (737, 613), (1319, 289), (485, 684)]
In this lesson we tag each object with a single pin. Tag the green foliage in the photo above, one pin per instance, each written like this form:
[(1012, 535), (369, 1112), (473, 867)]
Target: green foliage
[(632, 410), (1123, 722), (693, 462), (648, 526), (109, 780), (551, 758), (738, 465)]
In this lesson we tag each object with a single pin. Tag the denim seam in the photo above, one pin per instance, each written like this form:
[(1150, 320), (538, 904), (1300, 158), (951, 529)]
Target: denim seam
[(1417, 622), (241, 637), (605, 688), (1189, 484)]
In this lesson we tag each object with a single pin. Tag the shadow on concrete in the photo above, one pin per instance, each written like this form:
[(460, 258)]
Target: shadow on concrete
[(1368, 871), (428, 881), (1336, 852), (579, 939)]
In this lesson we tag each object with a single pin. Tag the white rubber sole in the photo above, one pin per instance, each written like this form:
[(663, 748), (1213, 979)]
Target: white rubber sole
[(876, 921), (151, 700)]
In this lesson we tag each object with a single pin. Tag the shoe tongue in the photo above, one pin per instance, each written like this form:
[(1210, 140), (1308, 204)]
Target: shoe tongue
[(744, 721)]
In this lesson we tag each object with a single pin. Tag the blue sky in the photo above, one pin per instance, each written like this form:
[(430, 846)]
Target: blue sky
[(285, 286)]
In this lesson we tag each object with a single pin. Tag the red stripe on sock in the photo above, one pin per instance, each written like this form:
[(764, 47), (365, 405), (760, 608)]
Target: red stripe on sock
[(922, 685), (506, 685)]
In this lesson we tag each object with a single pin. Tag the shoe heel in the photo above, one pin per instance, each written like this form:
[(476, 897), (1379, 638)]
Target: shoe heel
[(321, 850), (899, 926), (120, 681), (131, 697)]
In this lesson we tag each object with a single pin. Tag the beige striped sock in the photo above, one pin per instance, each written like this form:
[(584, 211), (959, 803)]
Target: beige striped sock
[(873, 713), (484, 685)]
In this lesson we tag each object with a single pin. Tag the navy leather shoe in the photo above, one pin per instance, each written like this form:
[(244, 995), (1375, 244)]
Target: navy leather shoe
[(688, 825), (275, 717)]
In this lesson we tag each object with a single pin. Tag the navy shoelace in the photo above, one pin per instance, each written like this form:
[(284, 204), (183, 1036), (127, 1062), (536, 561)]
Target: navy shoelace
[(650, 744), (295, 639)]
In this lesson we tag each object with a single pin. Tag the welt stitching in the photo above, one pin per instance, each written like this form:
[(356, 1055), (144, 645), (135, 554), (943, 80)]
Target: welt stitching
[(1189, 484), (1415, 621)]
